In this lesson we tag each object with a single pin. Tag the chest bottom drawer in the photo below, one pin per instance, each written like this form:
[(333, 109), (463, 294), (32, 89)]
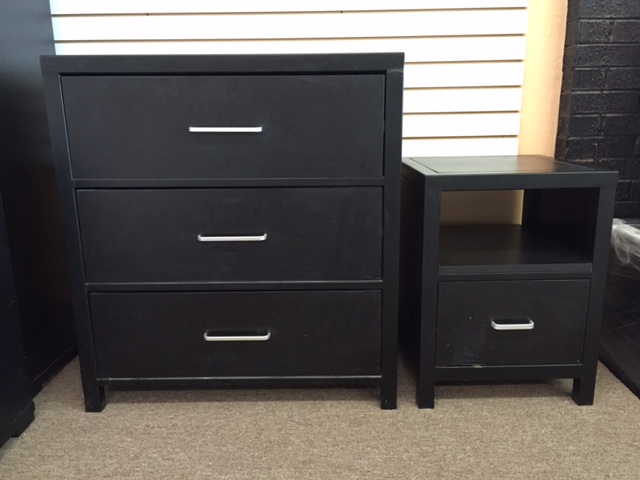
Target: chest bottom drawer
[(219, 334), (528, 322)]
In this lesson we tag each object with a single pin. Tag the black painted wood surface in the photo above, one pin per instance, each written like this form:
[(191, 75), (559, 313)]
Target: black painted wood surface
[(496, 165), (312, 126), (152, 235), (28, 184), (16, 406), (329, 183), (556, 308), (310, 334), (472, 248), (553, 267)]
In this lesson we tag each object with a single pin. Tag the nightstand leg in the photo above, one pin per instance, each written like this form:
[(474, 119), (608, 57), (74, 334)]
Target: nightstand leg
[(94, 399), (388, 395), (584, 389), (426, 393)]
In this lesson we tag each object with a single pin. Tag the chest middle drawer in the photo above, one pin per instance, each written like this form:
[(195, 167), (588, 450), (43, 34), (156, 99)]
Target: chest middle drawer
[(225, 126), (234, 234)]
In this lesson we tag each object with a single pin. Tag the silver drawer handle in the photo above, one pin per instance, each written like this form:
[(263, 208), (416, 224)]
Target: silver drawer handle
[(225, 129), (237, 338), (512, 326), (245, 238)]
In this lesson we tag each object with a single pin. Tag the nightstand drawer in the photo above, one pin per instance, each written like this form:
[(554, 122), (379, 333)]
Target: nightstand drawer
[(236, 334), (252, 126), (532, 322), (239, 234)]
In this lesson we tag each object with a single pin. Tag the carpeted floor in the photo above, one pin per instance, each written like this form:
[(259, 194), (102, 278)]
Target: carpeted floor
[(506, 431)]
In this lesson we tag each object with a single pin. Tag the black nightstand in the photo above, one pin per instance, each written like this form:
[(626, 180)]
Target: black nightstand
[(505, 302)]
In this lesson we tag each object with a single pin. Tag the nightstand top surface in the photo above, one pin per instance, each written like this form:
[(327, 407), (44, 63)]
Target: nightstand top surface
[(516, 164), (505, 172)]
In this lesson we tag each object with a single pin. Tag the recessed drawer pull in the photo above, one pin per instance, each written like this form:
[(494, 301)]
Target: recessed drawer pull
[(513, 326), (242, 238), (225, 129), (237, 338)]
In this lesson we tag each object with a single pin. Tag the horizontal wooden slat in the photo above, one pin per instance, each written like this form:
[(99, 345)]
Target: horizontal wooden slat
[(447, 75), (461, 125), (449, 147), (79, 7), (462, 55), (316, 25), (429, 49), (490, 74), (463, 100)]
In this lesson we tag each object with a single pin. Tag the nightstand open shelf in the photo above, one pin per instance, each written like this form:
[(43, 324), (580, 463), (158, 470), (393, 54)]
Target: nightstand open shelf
[(504, 301), (504, 248)]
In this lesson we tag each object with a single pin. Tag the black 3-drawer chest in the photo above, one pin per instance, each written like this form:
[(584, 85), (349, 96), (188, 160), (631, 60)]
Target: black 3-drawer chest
[(231, 220)]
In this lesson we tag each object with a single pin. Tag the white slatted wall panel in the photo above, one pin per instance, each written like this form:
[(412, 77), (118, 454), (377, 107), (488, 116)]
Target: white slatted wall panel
[(464, 58)]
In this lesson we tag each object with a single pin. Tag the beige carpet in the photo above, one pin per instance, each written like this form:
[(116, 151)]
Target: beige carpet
[(523, 431)]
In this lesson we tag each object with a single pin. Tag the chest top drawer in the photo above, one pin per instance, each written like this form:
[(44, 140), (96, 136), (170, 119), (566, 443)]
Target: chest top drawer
[(224, 126)]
